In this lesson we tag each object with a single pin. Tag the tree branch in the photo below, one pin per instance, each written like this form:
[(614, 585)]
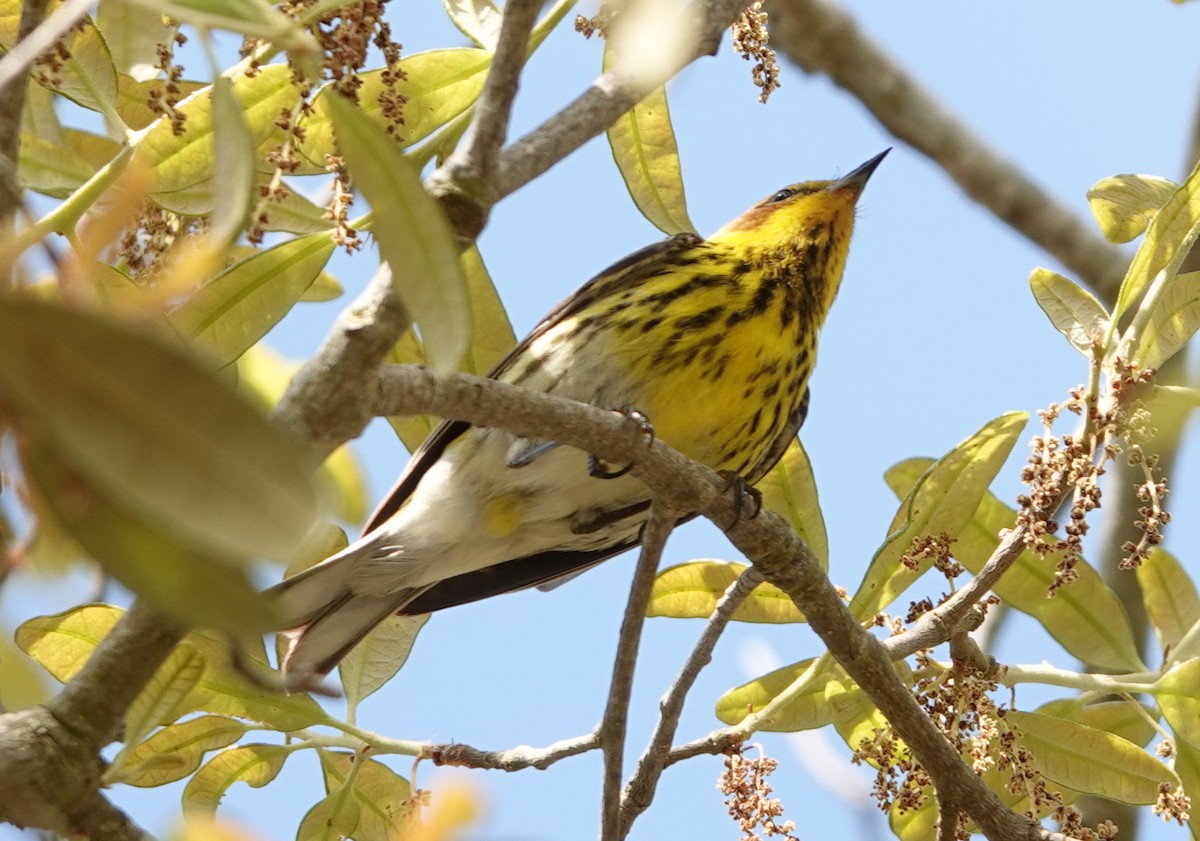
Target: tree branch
[(513, 759), (465, 183), (616, 709), (821, 38), (639, 792), (610, 96)]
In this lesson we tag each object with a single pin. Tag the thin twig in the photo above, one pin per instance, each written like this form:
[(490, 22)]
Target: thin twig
[(610, 96), (639, 792), (513, 759), (471, 168), (616, 709), (822, 38)]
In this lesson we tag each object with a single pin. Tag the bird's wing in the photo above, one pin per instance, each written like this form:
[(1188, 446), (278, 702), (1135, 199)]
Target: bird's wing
[(630, 270), (784, 440)]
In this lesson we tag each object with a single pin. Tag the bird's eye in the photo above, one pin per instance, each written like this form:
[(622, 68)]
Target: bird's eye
[(781, 195)]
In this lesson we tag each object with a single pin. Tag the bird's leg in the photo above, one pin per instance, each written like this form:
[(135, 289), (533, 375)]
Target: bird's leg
[(597, 468), (747, 500)]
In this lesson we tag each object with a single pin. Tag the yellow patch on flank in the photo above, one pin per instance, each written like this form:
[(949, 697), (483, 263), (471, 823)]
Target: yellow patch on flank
[(503, 515)]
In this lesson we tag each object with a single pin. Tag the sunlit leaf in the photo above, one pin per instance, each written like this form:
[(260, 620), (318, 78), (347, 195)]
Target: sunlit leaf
[(1187, 766), (50, 168), (375, 660), (1090, 760), (790, 490), (133, 34), (175, 751), (807, 711), (63, 643), (1171, 600), (1120, 718), (1086, 617), (292, 213), (1168, 240), (118, 406), (479, 20), (413, 235), (1072, 310), (1124, 204), (642, 141), (439, 85), (235, 309), (86, 74), (692, 590), (1171, 322), (160, 701), (942, 501), (255, 765), (235, 189), (254, 18), (133, 95), (22, 683), (1178, 696), (378, 791)]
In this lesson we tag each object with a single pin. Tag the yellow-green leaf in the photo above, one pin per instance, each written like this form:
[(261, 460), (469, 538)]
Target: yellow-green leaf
[(1090, 760), (132, 96), (479, 20), (1072, 310), (1170, 599), (62, 643), (790, 490), (942, 501), (119, 406), (1168, 240), (161, 701), (439, 85), (1124, 204), (86, 76), (230, 313), (1173, 319), (175, 751), (1086, 617), (254, 765), (378, 791), (643, 145), (807, 711), (375, 660), (50, 168), (235, 189), (1178, 696), (253, 18), (1187, 766), (189, 159), (332, 818), (1120, 718), (692, 590), (133, 34), (413, 235)]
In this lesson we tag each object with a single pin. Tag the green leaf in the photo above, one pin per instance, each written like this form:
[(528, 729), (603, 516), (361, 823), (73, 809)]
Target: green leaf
[(479, 20), (50, 168), (379, 794), (87, 76), (1170, 599), (855, 716), (1187, 766), (807, 711), (375, 660), (790, 490), (133, 95), (491, 338), (1124, 204), (1120, 718), (439, 85), (253, 18), (1178, 696), (230, 313), (414, 237), (1072, 310), (1173, 319), (918, 824), (942, 501), (254, 765), (235, 189), (162, 700), (330, 819), (62, 643), (1090, 760), (1167, 242), (692, 590), (174, 752), (118, 406), (643, 145), (133, 34), (1086, 618), (291, 213), (189, 160)]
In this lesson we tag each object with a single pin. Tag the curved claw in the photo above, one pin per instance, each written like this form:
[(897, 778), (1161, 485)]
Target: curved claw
[(748, 500), (596, 467)]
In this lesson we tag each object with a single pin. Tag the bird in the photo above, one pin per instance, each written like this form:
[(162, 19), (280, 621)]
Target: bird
[(706, 342)]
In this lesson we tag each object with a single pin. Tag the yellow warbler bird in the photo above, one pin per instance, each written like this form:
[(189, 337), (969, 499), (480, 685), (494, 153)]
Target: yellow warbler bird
[(711, 340)]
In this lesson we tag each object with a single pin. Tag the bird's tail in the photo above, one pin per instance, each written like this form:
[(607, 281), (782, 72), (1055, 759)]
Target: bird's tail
[(323, 618)]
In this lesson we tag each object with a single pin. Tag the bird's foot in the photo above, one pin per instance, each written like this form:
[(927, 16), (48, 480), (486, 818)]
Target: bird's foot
[(747, 501), (598, 469)]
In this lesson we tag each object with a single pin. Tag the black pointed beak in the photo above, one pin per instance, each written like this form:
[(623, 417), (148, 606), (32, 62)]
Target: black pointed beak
[(859, 177)]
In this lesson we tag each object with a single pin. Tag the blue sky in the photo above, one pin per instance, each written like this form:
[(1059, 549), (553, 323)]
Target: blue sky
[(934, 333)]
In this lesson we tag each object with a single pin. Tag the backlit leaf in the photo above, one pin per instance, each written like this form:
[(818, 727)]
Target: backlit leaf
[(1171, 322), (255, 765), (375, 660), (692, 590), (1072, 310), (790, 490), (1124, 204), (175, 751), (1178, 696), (1171, 601), (942, 501)]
